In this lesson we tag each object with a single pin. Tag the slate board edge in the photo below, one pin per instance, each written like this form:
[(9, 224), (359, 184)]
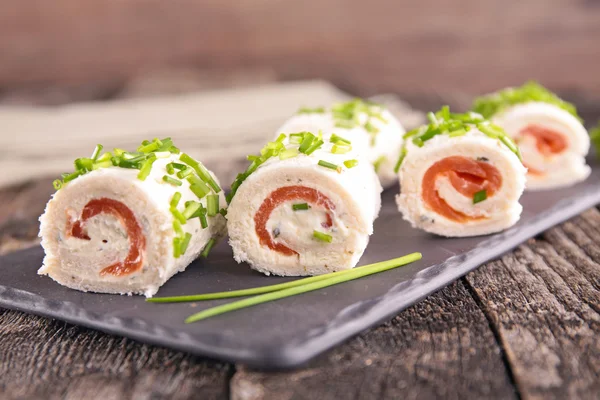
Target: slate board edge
[(294, 354)]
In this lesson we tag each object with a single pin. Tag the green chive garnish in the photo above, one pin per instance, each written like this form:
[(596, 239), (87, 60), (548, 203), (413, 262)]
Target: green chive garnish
[(335, 139), (479, 196), (351, 163), (184, 173), (178, 166), (400, 159), (176, 247), (191, 209), (307, 110), (172, 181), (212, 205), (184, 243), (199, 189), (57, 183), (175, 199), (146, 168), (208, 247), (329, 165), (170, 169), (288, 153), (202, 216), (319, 283), (340, 149), (201, 171), (72, 176), (300, 206), (322, 236), (177, 227), (296, 138), (178, 215), (96, 152), (315, 146), (378, 162), (280, 286)]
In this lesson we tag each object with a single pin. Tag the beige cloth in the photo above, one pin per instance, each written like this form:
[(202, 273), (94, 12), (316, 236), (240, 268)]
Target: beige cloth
[(218, 127)]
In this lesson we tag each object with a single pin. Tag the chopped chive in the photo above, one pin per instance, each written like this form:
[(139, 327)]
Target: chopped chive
[(351, 163), (315, 284), (123, 163), (170, 169), (300, 206), (281, 137), (118, 152), (177, 227), (418, 141), (432, 119), (296, 138), (378, 162), (479, 196), (149, 147), (199, 189), (322, 236), (104, 157), (185, 243), (445, 112), (176, 247), (178, 215), (306, 142), (315, 146), (340, 149), (72, 176), (212, 205), (57, 183), (96, 152), (400, 159), (175, 199), (289, 153), (179, 166), (174, 150), (201, 171), (223, 212), (102, 164), (184, 173), (458, 132), (208, 247), (287, 285), (203, 220), (308, 110), (84, 164), (146, 168), (190, 210), (172, 181), (335, 139), (327, 164), (162, 154), (115, 160)]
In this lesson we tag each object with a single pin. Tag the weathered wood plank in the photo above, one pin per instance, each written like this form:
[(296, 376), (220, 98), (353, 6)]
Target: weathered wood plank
[(49, 359), (410, 47), (440, 348), (543, 302)]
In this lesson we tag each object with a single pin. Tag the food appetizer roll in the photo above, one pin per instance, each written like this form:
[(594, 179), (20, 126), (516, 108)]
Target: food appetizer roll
[(305, 206), (125, 222), (371, 127), (547, 130), (460, 176)]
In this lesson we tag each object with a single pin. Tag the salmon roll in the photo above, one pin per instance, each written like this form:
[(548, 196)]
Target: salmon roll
[(460, 175), (125, 222), (370, 126), (303, 207), (547, 130)]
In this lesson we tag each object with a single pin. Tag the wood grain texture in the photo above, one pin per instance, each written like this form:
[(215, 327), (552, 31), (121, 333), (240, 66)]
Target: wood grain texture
[(366, 47), (439, 348)]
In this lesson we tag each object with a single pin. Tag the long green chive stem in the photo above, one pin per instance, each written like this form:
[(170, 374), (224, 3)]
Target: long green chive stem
[(400, 159), (201, 171), (212, 205), (208, 247), (327, 164), (172, 181), (304, 288), (301, 206), (280, 286), (322, 236)]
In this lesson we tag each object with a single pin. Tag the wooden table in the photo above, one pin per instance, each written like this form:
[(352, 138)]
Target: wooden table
[(523, 326)]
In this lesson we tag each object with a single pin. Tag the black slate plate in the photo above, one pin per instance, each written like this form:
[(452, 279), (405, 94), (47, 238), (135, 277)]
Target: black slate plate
[(287, 332)]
